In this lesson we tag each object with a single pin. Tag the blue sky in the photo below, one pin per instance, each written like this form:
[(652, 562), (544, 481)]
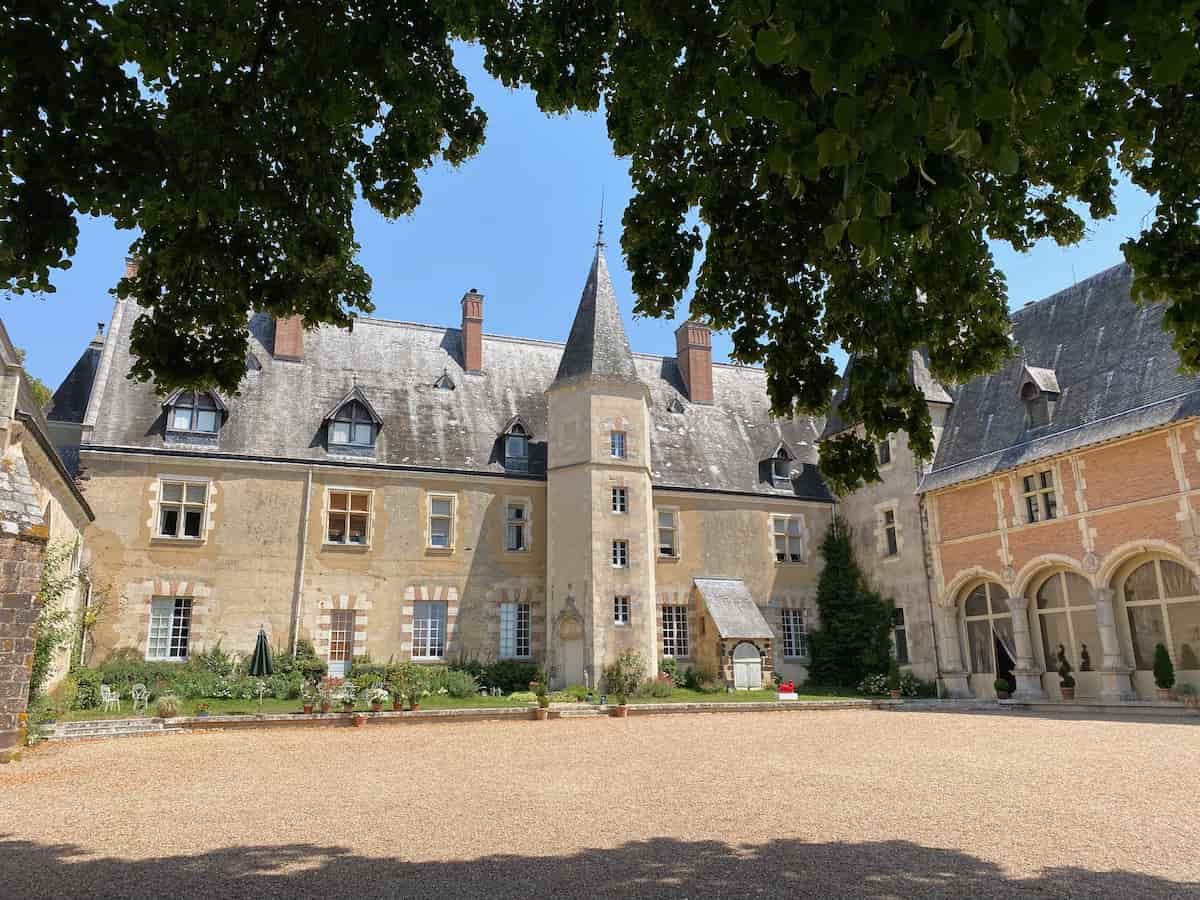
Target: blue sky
[(518, 223)]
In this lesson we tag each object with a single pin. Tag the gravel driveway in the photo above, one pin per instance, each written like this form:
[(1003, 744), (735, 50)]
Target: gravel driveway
[(854, 803)]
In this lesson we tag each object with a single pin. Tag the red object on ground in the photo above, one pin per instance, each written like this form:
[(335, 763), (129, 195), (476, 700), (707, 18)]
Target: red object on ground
[(787, 687)]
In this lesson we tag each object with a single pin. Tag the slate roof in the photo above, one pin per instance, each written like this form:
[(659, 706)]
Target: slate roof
[(733, 610), (70, 401), (918, 371), (278, 412), (597, 347), (1112, 360)]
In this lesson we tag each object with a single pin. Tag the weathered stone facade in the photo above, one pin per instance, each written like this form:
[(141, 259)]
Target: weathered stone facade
[(20, 574)]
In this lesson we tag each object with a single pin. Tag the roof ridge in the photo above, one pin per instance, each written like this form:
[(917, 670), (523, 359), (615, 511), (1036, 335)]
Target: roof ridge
[(1062, 292)]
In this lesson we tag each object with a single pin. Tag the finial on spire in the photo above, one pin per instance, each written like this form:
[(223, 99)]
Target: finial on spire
[(600, 230)]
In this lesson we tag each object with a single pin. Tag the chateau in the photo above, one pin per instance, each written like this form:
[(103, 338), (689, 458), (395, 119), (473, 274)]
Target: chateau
[(414, 492)]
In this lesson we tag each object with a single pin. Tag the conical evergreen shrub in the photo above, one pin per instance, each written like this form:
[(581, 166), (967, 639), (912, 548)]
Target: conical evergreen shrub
[(853, 638)]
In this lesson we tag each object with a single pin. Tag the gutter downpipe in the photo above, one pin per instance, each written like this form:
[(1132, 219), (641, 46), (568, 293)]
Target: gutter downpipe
[(301, 557), (926, 549)]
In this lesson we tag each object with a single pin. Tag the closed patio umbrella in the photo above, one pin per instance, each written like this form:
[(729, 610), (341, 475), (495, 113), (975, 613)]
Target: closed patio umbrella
[(260, 663)]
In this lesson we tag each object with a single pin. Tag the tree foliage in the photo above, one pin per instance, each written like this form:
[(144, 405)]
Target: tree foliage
[(853, 639), (846, 161)]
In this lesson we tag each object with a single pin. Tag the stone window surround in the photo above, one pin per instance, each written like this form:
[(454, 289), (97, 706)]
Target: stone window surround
[(773, 613), (1017, 491), (496, 597), (624, 488), (326, 508), (620, 554), (881, 548), (890, 441), (424, 593), (360, 604), (677, 532), (210, 508), (430, 496), (694, 619), (526, 502), (142, 594), (803, 537), (605, 430), (516, 606), (622, 610)]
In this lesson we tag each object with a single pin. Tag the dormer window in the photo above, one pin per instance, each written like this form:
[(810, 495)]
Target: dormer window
[(1039, 393), (352, 426), (781, 466), (516, 449), (196, 412)]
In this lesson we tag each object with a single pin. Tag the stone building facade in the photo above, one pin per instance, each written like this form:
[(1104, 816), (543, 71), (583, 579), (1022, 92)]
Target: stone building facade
[(1060, 509), (415, 492), (40, 507)]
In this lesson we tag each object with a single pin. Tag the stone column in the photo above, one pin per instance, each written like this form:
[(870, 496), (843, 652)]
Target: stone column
[(1027, 672), (1115, 684), (20, 577), (955, 682)]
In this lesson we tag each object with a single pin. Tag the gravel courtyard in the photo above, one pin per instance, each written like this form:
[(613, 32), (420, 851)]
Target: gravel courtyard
[(852, 803)]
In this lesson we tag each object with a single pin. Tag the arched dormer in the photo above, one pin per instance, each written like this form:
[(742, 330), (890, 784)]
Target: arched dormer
[(515, 440), (1038, 390), (192, 413), (352, 425), (779, 465)]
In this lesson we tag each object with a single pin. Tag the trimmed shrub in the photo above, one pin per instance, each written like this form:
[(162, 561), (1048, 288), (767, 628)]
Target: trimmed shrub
[(1164, 669), (167, 706), (625, 675), (509, 675), (87, 687)]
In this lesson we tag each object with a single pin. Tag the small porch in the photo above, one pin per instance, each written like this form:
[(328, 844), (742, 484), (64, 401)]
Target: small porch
[(737, 639)]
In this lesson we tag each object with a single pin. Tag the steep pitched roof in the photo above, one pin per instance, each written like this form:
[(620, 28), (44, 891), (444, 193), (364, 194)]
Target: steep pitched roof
[(918, 372), (1113, 361), (597, 347), (732, 608), (69, 403), (277, 413)]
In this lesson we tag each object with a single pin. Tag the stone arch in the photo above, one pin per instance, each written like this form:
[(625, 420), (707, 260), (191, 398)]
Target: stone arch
[(1036, 569), (954, 592), (1122, 556)]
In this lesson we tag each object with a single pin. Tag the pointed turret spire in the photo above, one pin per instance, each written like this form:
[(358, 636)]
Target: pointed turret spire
[(597, 347)]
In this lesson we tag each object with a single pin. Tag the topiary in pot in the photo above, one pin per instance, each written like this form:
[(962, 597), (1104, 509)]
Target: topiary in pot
[(1164, 672), (893, 678), (1002, 688), (167, 706), (1066, 681)]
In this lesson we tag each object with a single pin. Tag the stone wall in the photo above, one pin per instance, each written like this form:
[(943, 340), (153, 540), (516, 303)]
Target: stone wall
[(20, 575)]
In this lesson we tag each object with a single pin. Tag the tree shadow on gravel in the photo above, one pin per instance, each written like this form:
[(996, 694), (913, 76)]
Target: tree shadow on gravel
[(656, 868)]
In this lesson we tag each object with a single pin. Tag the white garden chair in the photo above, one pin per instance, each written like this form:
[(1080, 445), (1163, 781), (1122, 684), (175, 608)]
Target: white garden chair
[(110, 698), (140, 696)]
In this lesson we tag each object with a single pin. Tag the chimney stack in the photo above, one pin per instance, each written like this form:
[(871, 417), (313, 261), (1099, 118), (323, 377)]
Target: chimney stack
[(131, 266), (472, 332), (289, 338), (693, 349)]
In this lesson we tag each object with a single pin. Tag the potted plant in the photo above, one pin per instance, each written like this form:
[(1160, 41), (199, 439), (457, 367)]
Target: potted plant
[(360, 719), (306, 700), (1002, 688), (893, 679), (623, 678), (346, 696), (324, 700), (378, 696), (1164, 672), (1065, 680), (543, 699), (202, 708), (1188, 694)]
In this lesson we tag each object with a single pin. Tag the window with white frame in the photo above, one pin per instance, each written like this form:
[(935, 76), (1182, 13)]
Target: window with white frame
[(795, 632), (441, 521), (170, 625), (516, 449), (668, 533), (620, 610), (516, 526), (429, 630), (349, 517), (341, 642), (620, 500), (514, 630), (781, 466), (620, 554), (1040, 502), (181, 509), (789, 544), (616, 443), (194, 411), (890, 543), (675, 631)]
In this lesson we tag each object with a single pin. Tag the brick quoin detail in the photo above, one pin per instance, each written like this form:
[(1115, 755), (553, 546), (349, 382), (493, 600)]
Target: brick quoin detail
[(20, 577), (357, 602)]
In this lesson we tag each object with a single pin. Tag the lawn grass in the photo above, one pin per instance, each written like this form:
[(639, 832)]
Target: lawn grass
[(273, 707), (683, 695)]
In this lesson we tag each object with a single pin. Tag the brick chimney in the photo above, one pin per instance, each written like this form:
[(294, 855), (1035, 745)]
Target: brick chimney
[(131, 266), (289, 338), (693, 349), (472, 331)]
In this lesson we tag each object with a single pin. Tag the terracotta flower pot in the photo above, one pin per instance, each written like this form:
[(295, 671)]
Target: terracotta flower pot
[(895, 695), (414, 706), (308, 708), (360, 720), (541, 714), (347, 707), (1002, 695), (1068, 693), (397, 706), (621, 711), (376, 707), (1163, 694), (325, 707)]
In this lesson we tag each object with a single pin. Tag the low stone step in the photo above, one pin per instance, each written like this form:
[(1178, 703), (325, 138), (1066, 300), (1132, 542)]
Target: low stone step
[(582, 712)]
